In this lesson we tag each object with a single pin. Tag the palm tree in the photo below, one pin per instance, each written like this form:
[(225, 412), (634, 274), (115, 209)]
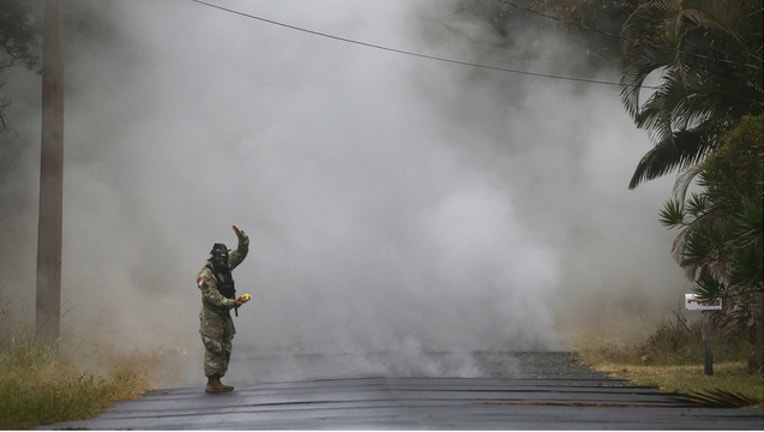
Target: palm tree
[(708, 55), (721, 234)]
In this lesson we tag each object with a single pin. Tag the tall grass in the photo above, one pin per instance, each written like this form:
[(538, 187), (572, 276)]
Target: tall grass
[(41, 385), (37, 387)]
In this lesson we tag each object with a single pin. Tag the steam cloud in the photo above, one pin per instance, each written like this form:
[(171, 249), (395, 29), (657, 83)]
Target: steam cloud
[(394, 203)]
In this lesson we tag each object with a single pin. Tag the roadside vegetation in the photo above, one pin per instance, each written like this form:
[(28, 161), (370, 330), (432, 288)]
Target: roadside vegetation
[(672, 360), (705, 120), (37, 388), (41, 385)]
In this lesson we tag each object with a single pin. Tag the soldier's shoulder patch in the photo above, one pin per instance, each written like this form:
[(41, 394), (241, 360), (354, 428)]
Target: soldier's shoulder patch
[(203, 276)]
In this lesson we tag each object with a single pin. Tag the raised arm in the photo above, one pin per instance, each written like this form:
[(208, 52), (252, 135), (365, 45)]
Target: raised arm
[(237, 256)]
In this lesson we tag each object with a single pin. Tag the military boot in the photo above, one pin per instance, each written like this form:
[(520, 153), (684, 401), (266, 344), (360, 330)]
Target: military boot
[(215, 386)]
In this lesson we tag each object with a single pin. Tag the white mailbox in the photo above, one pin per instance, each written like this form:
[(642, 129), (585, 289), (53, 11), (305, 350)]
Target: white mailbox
[(691, 302)]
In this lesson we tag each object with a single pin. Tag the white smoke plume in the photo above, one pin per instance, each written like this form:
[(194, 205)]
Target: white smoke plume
[(394, 203)]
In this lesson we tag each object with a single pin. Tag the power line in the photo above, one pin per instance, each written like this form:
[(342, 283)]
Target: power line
[(409, 53)]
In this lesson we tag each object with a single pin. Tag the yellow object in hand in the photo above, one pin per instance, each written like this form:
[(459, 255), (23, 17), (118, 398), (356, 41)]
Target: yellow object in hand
[(245, 298)]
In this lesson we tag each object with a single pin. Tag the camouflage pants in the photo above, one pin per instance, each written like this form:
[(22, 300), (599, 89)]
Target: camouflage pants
[(217, 335)]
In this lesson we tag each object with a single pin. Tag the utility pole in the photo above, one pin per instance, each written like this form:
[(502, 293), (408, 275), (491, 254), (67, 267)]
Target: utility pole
[(48, 300)]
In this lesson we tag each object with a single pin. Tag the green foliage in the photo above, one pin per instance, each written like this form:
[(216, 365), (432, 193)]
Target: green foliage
[(720, 240), (672, 214), (708, 56), (708, 287)]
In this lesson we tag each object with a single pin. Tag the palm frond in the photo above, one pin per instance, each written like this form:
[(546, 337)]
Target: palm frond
[(716, 16), (672, 214), (746, 264), (718, 398), (643, 51), (702, 49), (745, 269), (679, 150), (750, 229), (684, 180), (708, 287), (698, 204)]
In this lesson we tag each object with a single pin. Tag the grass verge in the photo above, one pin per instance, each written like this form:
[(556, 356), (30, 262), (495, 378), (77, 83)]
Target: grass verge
[(732, 377), (671, 360), (38, 388)]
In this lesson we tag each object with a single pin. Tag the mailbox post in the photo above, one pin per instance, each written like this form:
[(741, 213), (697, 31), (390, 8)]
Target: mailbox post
[(691, 302)]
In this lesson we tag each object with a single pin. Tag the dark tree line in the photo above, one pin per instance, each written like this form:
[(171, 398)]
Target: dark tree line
[(20, 41)]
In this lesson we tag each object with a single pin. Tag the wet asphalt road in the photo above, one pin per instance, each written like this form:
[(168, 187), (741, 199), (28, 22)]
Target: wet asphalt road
[(545, 390)]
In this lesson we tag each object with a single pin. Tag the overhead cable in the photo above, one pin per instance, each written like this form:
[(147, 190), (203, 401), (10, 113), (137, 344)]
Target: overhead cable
[(409, 53)]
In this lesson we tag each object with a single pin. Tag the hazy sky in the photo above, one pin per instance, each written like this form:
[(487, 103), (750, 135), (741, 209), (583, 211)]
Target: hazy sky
[(392, 201)]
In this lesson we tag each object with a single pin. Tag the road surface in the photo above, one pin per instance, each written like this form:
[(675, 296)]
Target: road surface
[(482, 391)]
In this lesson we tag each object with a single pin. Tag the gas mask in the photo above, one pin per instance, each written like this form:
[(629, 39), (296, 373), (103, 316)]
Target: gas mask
[(220, 257)]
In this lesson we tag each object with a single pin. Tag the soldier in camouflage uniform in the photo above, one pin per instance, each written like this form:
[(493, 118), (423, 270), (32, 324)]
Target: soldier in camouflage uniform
[(218, 298)]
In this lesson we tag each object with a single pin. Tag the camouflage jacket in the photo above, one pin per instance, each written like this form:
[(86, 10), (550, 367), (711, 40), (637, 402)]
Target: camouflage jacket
[(207, 283)]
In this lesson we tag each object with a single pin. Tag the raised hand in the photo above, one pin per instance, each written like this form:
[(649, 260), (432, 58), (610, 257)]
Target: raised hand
[(238, 232)]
